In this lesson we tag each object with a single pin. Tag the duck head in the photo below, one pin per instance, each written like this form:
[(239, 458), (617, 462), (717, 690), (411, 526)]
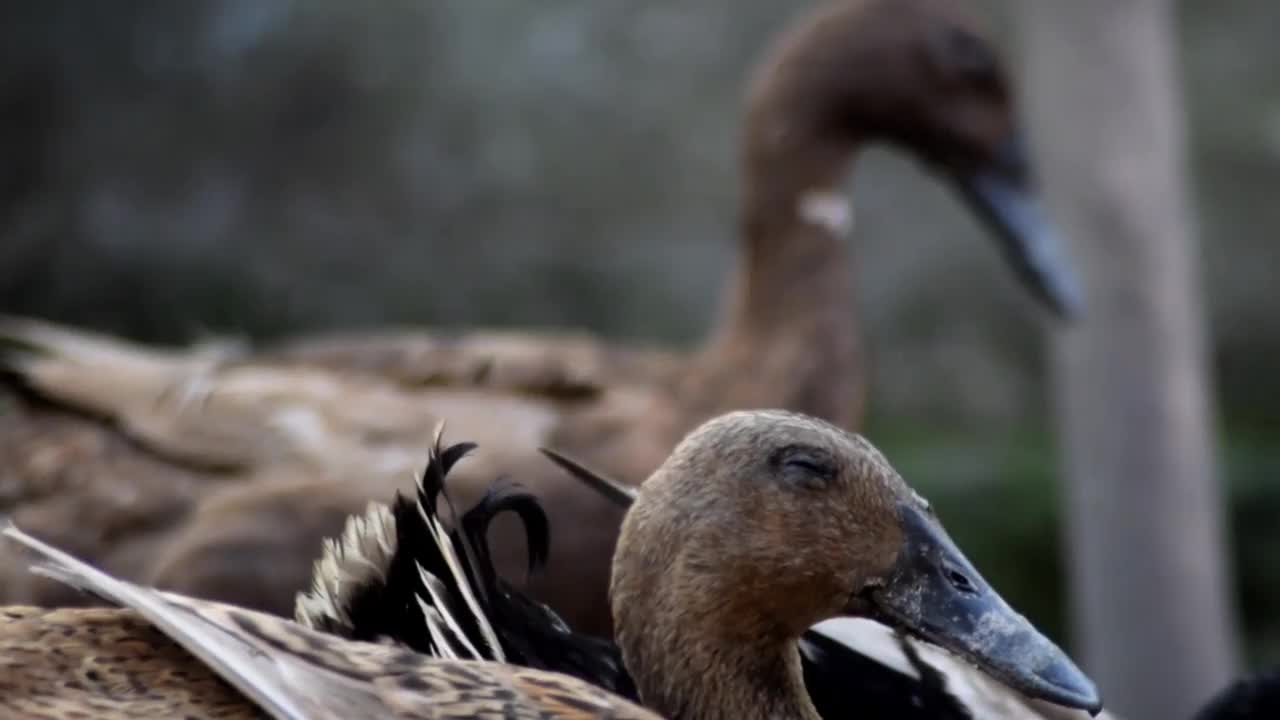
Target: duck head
[(764, 523), (917, 74)]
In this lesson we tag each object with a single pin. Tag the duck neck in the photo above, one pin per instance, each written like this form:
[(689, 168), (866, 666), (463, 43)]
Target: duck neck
[(746, 679), (695, 643), (788, 331), (793, 262)]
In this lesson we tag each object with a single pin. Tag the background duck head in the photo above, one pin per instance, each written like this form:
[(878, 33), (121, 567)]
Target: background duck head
[(763, 523), (916, 74)]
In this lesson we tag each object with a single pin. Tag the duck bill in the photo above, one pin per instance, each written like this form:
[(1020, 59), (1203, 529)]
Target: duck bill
[(933, 592), (1004, 195)]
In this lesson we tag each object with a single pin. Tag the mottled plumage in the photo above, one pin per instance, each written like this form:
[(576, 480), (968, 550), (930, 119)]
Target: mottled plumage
[(103, 663)]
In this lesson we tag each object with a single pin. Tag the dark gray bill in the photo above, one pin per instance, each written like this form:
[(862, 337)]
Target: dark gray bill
[(935, 593), (1003, 194)]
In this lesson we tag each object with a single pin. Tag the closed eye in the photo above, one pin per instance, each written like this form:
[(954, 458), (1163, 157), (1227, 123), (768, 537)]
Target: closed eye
[(804, 465), (809, 465)]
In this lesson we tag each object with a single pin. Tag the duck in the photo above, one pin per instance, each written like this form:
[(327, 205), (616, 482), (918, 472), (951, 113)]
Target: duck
[(918, 75), (758, 525), (389, 563), (1253, 697)]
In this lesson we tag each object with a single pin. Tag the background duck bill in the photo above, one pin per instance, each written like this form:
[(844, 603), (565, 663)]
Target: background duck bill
[(936, 594), (1003, 195)]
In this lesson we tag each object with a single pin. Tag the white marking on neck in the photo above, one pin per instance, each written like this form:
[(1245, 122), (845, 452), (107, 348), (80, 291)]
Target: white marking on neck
[(827, 209), (920, 500)]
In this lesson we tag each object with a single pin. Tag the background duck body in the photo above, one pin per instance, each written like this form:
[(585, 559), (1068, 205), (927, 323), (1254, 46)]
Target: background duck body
[(915, 74), (182, 469)]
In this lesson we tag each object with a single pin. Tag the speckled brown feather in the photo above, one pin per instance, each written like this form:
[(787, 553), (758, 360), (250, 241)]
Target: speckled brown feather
[(134, 662), (112, 664), (103, 663)]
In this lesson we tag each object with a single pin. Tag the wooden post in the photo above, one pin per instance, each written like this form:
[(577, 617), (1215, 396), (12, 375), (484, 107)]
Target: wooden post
[(1151, 609)]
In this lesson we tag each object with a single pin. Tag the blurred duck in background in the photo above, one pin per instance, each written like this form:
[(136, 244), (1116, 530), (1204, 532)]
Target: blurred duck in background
[(217, 472)]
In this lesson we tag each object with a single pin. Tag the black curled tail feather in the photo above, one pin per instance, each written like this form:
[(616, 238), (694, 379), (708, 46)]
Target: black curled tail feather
[(466, 593), (439, 464), (388, 605), (419, 600), (504, 496), (530, 633)]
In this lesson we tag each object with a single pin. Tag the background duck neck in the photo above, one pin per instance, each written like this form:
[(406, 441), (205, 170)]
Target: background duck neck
[(788, 337)]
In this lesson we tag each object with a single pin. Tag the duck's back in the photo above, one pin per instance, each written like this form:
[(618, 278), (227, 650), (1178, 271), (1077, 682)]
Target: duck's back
[(113, 664), (103, 663)]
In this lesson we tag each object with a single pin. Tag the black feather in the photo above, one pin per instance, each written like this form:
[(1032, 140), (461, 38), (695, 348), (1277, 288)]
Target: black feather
[(846, 684), (388, 607), (531, 634), (502, 497), (452, 455)]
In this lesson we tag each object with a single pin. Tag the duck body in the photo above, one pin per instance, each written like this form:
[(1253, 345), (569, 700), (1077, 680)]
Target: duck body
[(853, 668), (433, 636), (914, 74), (1254, 697)]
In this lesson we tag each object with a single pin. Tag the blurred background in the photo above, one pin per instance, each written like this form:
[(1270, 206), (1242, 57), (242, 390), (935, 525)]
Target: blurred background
[(259, 167)]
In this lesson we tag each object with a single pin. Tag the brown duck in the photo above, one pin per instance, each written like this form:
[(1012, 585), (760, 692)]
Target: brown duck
[(392, 569), (757, 526), (916, 74)]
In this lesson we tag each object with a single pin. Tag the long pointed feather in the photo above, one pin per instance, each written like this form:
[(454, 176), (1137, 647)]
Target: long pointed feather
[(435, 587), (439, 466), (444, 646), (464, 588), (622, 495), (431, 486)]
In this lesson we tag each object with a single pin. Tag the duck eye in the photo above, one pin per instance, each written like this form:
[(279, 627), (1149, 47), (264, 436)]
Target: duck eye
[(805, 466)]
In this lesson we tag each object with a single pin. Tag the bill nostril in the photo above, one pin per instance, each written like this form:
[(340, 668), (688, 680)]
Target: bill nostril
[(960, 581)]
